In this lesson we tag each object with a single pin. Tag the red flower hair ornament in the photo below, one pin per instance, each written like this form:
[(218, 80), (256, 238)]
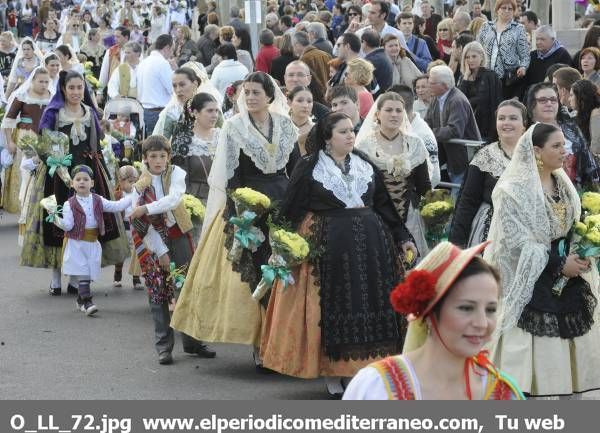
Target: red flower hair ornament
[(230, 91), (413, 295)]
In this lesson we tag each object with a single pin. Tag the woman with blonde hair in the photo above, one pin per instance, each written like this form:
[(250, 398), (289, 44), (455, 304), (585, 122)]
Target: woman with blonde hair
[(74, 36), (481, 86), (476, 24), (185, 47), (445, 36), (360, 74), (286, 56)]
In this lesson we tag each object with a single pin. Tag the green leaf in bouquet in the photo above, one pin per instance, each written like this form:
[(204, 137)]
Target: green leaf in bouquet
[(27, 143)]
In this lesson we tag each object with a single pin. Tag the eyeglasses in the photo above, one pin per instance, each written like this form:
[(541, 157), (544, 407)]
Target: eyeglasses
[(443, 30), (544, 100), (353, 15), (297, 75)]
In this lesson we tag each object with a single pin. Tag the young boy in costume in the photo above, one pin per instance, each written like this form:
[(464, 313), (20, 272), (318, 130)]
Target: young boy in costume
[(161, 219), (83, 222)]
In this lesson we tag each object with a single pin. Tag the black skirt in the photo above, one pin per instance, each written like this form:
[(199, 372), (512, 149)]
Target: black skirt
[(357, 271)]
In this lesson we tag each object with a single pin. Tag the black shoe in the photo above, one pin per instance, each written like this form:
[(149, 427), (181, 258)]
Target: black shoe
[(201, 350), (165, 358), (55, 291), (72, 290), (87, 306), (137, 284)]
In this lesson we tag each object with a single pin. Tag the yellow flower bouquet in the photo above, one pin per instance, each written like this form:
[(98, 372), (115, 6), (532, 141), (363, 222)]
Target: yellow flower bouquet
[(436, 211), (194, 207), (288, 249), (249, 205), (585, 243)]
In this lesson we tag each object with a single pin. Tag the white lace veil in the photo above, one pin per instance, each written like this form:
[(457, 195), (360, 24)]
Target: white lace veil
[(366, 141), (218, 178), (12, 78), (521, 230)]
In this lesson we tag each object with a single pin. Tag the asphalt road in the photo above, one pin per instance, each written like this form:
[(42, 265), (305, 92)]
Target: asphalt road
[(50, 350)]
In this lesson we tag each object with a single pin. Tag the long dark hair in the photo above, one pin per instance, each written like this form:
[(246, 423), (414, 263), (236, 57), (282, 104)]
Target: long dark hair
[(541, 132), (591, 37), (586, 95), (198, 102), (321, 132)]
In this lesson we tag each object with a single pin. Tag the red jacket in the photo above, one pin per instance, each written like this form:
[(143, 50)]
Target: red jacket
[(265, 57)]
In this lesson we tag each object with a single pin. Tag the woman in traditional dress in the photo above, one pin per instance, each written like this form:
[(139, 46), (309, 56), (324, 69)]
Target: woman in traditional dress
[(187, 81), (27, 59), (547, 336), (94, 50), (52, 65), (336, 317), (255, 150), (300, 100), (194, 142), (451, 298), (401, 156), (473, 215), (68, 59), (48, 38), (24, 110), (71, 112), (74, 36)]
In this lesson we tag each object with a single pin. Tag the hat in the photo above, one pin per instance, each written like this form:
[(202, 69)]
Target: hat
[(426, 284), (429, 281)]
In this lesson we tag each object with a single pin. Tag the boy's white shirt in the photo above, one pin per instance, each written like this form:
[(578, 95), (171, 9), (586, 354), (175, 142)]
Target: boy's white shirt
[(67, 221)]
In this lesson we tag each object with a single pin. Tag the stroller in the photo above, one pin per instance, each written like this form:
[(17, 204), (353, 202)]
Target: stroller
[(114, 106)]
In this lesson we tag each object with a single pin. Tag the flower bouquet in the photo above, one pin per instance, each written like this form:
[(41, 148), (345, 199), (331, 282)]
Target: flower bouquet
[(586, 235), (176, 276), (195, 210), (249, 205), (27, 143), (89, 75), (55, 146), (436, 211), (288, 249), (54, 211)]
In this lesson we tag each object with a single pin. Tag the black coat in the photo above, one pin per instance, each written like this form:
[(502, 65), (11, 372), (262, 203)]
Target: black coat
[(484, 95), (536, 73)]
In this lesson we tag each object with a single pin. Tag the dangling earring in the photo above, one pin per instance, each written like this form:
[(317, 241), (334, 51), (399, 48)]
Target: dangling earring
[(540, 165), (328, 148)]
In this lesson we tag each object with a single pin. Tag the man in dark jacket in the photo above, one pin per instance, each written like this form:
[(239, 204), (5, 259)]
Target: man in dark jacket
[(431, 19), (549, 51), (207, 44), (450, 116), (384, 70)]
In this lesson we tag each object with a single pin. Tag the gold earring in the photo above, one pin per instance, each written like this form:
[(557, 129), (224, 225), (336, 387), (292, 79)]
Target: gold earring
[(540, 164)]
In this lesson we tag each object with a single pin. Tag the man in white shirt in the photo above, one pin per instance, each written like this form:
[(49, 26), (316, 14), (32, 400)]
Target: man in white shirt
[(378, 13), (154, 85), (114, 55), (123, 81)]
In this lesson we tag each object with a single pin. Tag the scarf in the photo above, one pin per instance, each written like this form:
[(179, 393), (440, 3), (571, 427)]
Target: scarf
[(555, 47)]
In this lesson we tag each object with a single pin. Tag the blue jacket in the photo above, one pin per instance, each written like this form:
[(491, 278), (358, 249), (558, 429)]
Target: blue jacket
[(421, 54), (384, 70)]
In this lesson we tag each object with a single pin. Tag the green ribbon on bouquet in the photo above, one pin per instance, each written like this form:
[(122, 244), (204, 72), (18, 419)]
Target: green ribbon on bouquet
[(244, 234), (269, 273), (177, 275), (54, 163), (52, 215)]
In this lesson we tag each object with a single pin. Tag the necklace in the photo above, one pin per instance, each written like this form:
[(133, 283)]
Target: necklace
[(304, 124), (390, 138)]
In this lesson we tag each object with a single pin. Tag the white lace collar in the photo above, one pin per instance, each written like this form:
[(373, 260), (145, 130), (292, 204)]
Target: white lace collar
[(348, 188), (491, 159), (201, 147), (267, 157), (77, 133)]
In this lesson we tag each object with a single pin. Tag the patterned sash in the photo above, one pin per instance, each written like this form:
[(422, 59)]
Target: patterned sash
[(160, 287)]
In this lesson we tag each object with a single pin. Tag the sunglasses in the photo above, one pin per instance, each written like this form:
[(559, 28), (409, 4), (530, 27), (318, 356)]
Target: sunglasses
[(443, 30)]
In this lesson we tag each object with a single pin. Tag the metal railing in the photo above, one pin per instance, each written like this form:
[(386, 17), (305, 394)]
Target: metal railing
[(472, 147)]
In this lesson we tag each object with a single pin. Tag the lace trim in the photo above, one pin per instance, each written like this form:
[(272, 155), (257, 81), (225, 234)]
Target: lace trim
[(491, 159), (348, 188), (202, 147), (28, 99), (399, 157), (267, 157), (564, 325), (79, 124)]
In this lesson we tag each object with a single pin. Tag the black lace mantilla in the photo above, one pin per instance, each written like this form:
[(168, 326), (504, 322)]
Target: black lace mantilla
[(575, 322)]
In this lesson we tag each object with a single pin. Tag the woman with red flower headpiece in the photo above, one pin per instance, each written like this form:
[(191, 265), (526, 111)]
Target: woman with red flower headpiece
[(451, 299)]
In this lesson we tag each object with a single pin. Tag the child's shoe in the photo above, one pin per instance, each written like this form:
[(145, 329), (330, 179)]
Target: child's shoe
[(137, 284), (55, 291), (87, 306), (118, 276)]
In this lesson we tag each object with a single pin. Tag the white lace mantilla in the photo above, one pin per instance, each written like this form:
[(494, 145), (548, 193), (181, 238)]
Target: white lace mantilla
[(491, 159), (77, 133), (348, 188), (268, 157), (202, 147)]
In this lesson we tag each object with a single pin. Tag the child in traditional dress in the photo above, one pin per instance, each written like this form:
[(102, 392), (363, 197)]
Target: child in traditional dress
[(127, 176), (83, 222), (125, 132), (161, 219)]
